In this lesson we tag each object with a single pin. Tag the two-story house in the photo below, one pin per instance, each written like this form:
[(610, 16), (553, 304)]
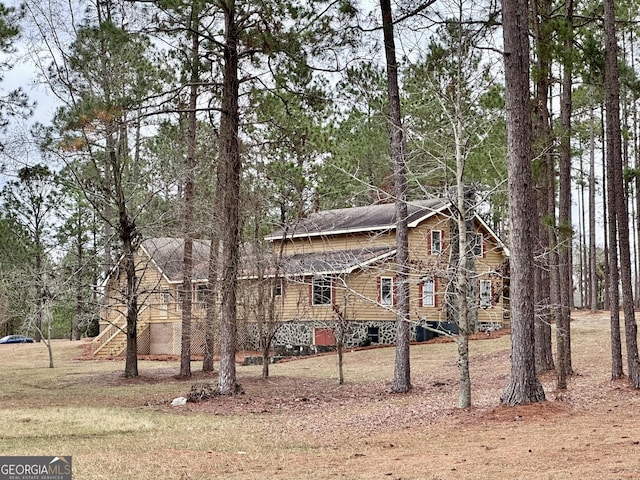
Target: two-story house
[(345, 259), (336, 263)]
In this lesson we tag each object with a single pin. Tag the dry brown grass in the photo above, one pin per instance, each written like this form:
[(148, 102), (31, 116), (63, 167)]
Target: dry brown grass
[(301, 424)]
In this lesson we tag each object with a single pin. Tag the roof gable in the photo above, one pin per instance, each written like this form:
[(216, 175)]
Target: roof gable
[(167, 254)]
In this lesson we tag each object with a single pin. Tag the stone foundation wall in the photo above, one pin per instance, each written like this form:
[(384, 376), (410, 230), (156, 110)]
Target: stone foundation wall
[(302, 334), (298, 338)]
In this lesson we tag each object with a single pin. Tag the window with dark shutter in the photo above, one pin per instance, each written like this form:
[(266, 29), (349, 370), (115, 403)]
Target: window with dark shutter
[(385, 293), (436, 242)]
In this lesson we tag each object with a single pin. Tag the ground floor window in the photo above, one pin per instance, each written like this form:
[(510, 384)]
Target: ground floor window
[(429, 293), (321, 291)]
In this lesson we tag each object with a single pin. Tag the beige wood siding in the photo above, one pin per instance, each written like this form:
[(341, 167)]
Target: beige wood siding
[(339, 242), (357, 294)]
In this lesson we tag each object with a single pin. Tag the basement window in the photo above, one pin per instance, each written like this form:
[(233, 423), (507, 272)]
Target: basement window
[(373, 334)]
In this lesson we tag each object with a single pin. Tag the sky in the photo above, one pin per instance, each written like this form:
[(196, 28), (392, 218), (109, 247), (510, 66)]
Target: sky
[(17, 151)]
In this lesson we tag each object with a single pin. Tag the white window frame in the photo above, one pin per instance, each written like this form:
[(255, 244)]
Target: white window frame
[(485, 293), (179, 297), (199, 292), (319, 286), (386, 291), (434, 250), (429, 294)]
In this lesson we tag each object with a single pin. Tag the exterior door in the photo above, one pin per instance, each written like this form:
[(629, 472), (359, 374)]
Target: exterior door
[(324, 337)]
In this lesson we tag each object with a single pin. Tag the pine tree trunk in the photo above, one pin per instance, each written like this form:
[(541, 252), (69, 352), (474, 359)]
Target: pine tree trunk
[(80, 288), (187, 284), (128, 233), (563, 323), (584, 260), (266, 348), (131, 296), (619, 202), (230, 167), (189, 199), (544, 176), (593, 277), (39, 290), (611, 161), (211, 316), (402, 371), (462, 299), (523, 387), (605, 213), (636, 185)]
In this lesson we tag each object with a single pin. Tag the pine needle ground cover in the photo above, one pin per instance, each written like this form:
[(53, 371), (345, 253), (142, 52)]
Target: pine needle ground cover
[(301, 424)]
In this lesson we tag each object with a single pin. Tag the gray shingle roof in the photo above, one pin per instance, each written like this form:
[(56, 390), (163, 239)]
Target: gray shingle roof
[(167, 254), (334, 262), (359, 219)]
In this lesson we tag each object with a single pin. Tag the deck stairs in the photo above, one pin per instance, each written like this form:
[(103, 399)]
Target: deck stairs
[(112, 341)]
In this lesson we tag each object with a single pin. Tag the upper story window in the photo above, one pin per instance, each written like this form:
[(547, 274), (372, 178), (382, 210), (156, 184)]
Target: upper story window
[(478, 246), (385, 290), (165, 296), (485, 293), (201, 293), (436, 242), (321, 291), (179, 297)]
